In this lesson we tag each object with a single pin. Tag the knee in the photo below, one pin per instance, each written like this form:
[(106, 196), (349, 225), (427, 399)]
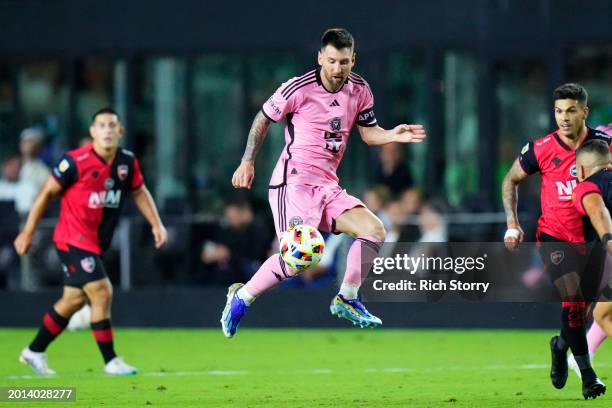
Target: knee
[(74, 301), (101, 296), (602, 314), (377, 229)]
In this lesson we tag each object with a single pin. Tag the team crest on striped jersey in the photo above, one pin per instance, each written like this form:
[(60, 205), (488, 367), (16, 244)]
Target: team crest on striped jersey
[(294, 221), (122, 171), (109, 183), (335, 124)]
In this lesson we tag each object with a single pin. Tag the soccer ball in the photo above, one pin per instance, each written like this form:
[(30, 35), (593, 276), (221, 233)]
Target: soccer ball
[(302, 247)]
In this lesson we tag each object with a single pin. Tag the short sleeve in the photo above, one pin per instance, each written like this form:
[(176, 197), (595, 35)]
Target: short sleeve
[(582, 190), (65, 172), (137, 177), (528, 160), (283, 101), (366, 116)]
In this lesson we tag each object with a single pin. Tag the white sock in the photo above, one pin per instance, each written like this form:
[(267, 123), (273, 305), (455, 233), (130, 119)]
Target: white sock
[(349, 290), (245, 296)]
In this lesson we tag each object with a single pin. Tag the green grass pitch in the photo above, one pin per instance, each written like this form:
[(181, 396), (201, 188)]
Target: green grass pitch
[(306, 368)]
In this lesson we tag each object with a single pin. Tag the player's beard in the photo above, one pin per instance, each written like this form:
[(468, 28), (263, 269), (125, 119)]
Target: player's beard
[(572, 131), (336, 81)]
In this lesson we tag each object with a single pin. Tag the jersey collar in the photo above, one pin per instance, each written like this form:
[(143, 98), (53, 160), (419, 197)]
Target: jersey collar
[(320, 82), (93, 151), (590, 133)]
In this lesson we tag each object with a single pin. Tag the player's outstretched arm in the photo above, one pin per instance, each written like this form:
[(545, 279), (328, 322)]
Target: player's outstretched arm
[(47, 191), (514, 234), (600, 218), (245, 173), (376, 136), (146, 205)]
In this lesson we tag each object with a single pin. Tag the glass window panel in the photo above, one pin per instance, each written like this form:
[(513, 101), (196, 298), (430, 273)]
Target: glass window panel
[(8, 131), (43, 97), (461, 126), (93, 91), (219, 103), (158, 134), (592, 68), (405, 97), (523, 113)]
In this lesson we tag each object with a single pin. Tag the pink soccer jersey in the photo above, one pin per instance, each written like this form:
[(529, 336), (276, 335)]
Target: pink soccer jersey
[(318, 123)]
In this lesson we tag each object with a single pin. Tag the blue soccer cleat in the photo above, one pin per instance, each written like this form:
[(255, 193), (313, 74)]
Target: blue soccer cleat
[(235, 308), (354, 311)]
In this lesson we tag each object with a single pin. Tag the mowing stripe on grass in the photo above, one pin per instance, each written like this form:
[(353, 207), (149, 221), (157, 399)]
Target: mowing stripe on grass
[(388, 370)]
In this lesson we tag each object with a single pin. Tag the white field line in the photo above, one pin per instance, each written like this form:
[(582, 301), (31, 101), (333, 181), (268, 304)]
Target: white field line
[(322, 371)]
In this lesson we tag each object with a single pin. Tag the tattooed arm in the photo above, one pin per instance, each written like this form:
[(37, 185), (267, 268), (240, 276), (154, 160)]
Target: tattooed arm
[(257, 134), (245, 173)]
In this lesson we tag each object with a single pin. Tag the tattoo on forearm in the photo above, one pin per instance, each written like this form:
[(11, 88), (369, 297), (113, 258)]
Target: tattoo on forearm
[(509, 198), (257, 134)]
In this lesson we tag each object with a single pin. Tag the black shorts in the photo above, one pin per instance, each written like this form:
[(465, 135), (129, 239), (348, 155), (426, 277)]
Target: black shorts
[(586, 259), (80, 267)]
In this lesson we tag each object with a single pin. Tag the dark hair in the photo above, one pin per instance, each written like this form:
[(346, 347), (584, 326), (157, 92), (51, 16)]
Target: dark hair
[(240, 200), (105, 110), (437, 205), (571, 91), (599, 147), (339, 38)]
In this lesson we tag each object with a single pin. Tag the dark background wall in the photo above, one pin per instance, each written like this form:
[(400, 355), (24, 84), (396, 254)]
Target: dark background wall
[(522, 27)]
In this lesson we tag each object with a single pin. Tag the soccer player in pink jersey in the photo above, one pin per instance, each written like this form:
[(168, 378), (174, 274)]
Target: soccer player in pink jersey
[(320, 108)]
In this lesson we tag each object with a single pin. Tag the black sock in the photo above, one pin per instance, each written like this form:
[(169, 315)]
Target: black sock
[(103, 333), (584, 364), (562, 342), (573, 324), (53, 325)]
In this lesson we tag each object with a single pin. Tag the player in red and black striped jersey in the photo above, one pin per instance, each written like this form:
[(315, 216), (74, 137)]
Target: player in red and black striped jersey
[(93, 182), (560, 226), (593, 199)]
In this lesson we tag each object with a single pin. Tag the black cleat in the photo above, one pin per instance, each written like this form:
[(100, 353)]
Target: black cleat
[(558, 367), (592, 388)]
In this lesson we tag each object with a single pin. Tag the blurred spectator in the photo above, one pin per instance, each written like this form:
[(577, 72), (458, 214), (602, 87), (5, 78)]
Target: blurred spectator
[(33, 172), (432, 222), (411, 201), (84, 141), (397, 219), (376, 199), (239, 247), (406, 210), (392, 171), (10, 177), (9, 262)]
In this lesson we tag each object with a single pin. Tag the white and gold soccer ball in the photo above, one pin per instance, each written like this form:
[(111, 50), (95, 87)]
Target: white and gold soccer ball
[(302, 247)]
